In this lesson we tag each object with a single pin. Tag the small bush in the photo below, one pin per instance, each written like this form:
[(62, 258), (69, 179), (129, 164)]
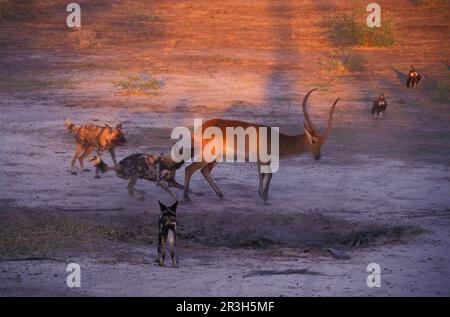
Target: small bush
[(225, 59), (344, 62), (139, 85), (347, 30), (146, 17)]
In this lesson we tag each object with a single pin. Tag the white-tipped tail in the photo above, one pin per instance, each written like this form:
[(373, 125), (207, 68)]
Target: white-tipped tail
[(70, 125)]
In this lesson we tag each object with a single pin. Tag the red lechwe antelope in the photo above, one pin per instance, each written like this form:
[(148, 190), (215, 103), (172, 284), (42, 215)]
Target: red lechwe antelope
[(309, 142)]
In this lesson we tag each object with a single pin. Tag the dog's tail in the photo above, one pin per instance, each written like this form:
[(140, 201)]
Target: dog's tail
[(71, 126)]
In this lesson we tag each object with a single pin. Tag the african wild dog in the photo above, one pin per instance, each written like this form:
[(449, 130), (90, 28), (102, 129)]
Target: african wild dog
[(159, 169), (90, 136), (379, 107), (413, 78), (167, 232)]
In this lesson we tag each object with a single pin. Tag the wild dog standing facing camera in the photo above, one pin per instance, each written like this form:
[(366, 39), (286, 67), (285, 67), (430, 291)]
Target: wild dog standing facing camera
[(413, 78), (90, 136), (154, 168), (379, 107), (167, 232)]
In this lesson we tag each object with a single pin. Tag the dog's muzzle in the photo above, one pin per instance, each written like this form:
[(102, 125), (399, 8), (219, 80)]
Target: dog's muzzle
[(122, 139)]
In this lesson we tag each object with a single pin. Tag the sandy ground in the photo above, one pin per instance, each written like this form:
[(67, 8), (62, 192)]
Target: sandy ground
[(379, 195)]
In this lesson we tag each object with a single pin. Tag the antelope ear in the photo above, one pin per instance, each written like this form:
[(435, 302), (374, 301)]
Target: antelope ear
[(308, 133), (161, 206), (106, 125), (174, 206), (119, 126)]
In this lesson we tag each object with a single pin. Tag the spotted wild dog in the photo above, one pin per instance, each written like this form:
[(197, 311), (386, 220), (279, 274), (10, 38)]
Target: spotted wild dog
[(413, 78), (90, 136), (154, 168), (167, 232), (379, 107)]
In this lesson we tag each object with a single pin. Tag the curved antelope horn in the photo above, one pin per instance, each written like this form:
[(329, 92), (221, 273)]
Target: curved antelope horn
[(305, 111), (330, 120)]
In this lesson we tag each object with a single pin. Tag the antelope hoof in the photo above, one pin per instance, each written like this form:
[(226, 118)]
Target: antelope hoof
[(175, 264), (97, 176), (73, 173), (186, 198), (161, 263), (86, 170)]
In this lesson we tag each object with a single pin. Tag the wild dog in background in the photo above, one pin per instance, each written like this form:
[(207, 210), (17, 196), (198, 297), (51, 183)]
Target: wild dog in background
[(379, 107), (159, 169), (90, 136), (167, 232), (413, 78)]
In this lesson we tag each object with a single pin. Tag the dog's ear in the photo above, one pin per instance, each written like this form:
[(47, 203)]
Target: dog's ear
[(174, 206), (161, 206), (119, 126)]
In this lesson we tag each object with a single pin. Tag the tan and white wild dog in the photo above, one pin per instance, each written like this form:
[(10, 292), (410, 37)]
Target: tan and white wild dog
[(89, 137)]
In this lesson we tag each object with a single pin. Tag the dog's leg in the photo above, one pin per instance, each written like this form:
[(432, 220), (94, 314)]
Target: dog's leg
[(206, 171), (163, 251), (86, 152), (173, 183), (99, 155), (164, 186), (171, 237), (75, 157), (131, 184), (113, 156), (158, 258)]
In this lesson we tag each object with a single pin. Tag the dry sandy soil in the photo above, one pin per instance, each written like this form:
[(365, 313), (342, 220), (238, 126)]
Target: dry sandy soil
[(380, 194)]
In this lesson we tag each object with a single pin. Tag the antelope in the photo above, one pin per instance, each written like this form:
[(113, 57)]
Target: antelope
[(310, 141)]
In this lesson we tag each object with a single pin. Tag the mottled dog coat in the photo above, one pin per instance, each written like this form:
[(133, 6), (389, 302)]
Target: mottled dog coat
[(167, 232), (159, 169), (379, 107), (90, 136)]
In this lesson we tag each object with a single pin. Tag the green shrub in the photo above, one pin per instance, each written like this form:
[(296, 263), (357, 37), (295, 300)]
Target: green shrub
[(138, 85), (348, 30), (344, 62)]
